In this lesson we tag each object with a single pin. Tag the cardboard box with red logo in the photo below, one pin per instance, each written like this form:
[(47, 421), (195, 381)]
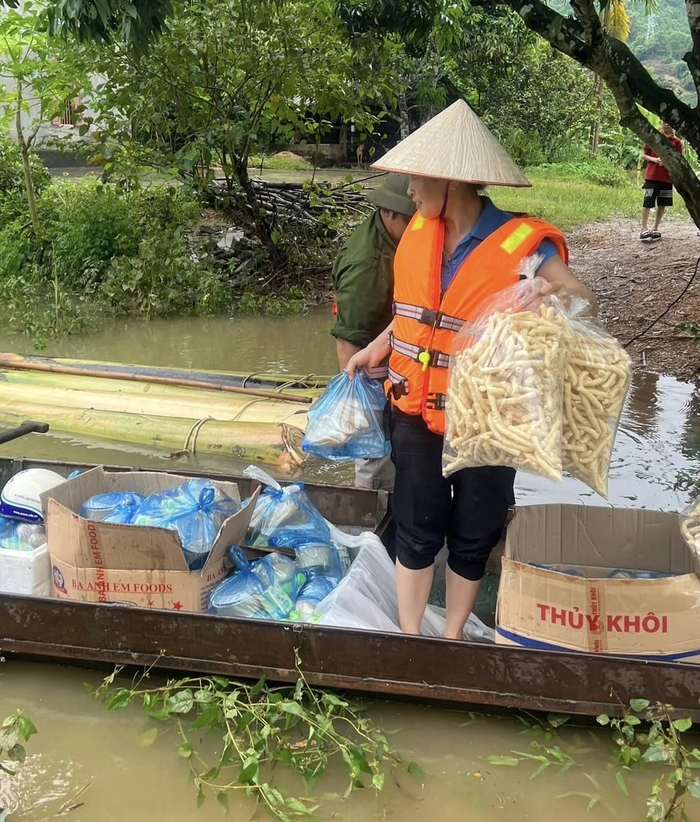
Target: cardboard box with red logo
[(128, 564), (656, 618)]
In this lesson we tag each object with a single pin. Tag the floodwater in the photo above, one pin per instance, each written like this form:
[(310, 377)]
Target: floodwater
[(116, 769), (130, 775), (658, 441), (319, 175)]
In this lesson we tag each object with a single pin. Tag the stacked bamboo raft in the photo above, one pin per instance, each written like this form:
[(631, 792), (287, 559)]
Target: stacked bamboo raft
[(258, 417)]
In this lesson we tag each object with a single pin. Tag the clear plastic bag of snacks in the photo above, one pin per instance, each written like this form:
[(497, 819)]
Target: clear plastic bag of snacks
[(597, 376), (504, 396), (690, 527)]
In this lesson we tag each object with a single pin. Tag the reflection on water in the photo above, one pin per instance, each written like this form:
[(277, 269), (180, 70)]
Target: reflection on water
[(132, 776), (659, 436), (659, 421)]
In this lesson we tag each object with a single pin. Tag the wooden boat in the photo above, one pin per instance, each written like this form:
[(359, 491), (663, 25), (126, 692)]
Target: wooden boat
[(257, 417), (382, 664)]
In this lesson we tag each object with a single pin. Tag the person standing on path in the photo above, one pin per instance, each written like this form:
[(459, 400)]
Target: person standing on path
[(658, 189), (363, 279)]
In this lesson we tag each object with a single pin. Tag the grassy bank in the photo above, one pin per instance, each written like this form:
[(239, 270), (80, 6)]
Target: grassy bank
[(570, 202), (286, 161)]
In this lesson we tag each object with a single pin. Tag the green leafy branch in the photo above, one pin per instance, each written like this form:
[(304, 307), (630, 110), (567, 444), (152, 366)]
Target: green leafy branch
[(659, 741), (261, 727), (13, 729)]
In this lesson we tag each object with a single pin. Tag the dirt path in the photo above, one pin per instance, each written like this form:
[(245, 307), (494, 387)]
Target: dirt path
[(635, 282)]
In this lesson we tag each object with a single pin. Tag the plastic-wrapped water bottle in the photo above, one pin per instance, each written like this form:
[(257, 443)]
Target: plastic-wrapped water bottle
[(116, 507), (315, 590), (265, 589)]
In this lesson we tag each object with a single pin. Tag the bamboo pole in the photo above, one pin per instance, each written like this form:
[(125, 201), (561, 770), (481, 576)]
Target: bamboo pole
[(277, 445), (153, 392), (182, 403), (293, 382), (22, 363)]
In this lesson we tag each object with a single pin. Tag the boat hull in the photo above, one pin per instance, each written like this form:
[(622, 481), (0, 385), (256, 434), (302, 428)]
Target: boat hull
[(379, 664), (382, 664)]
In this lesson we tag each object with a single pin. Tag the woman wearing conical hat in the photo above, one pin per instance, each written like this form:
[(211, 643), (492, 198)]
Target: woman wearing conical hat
[(458, 251)]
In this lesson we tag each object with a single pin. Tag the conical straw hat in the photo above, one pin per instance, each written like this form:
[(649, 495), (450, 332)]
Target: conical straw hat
[(454, 145)]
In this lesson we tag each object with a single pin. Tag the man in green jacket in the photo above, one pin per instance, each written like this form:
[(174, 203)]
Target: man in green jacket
[(363, 279)]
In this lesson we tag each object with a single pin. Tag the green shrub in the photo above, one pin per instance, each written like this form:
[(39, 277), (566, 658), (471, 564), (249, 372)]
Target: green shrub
[(91, 224), (164, 207), (524, 147), (101, 248), (13, 202), (162, 279), (276, 305)]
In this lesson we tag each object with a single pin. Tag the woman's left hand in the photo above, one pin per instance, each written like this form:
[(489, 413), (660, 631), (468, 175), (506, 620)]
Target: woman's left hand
[(560, 277), (551, 287)]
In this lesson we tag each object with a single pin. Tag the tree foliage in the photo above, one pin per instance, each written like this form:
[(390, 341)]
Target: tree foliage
[(227, 78), (105, 21), (660, 39), (579, 32), (538, 103), (37, 77)]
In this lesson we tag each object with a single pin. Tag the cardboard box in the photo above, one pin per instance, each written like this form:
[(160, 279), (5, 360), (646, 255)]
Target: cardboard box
[(127, 564), (653, 618)]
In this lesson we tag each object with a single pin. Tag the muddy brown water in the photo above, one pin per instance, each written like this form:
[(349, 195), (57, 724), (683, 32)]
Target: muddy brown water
[(134, 777)]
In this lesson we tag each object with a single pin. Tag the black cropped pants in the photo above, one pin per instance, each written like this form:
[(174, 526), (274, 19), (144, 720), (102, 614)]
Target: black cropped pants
[(469, 508)]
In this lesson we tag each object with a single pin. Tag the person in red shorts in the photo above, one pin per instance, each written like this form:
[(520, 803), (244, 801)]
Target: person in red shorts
[(658, 189)]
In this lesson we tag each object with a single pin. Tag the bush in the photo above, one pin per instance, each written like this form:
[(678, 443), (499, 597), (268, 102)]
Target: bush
[(524, 147), (99, 247), (13, 202), (89, 225), (162, 279)]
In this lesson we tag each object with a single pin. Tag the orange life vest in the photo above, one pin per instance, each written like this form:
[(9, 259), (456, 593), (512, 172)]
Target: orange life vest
[(425, 323)]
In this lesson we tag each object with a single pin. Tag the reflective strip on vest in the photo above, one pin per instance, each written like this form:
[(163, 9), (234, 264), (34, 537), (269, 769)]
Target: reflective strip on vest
[(379, 372), (397, 380), (438, 359), (427, 316), (521, 233)]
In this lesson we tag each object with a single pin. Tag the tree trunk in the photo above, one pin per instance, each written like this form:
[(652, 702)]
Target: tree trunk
[(343, 142), (404, 120), (598, 92), (26, 167), (261, 221)]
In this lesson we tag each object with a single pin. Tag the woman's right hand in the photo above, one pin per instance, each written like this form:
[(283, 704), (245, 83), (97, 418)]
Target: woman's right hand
[(369, 357)]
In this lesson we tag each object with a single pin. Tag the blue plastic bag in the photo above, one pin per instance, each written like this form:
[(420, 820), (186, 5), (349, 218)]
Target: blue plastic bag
[(346, 421), (196, 510), (117, 507), (316, 589), (624, 573), (315, 555), (21, 536), (283, 508), (265, 589)]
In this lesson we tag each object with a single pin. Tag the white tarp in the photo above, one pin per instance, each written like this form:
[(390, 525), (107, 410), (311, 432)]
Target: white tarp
[(366, 597)]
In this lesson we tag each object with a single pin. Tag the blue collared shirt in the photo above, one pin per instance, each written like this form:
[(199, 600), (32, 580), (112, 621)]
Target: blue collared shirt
[(489, 220)]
